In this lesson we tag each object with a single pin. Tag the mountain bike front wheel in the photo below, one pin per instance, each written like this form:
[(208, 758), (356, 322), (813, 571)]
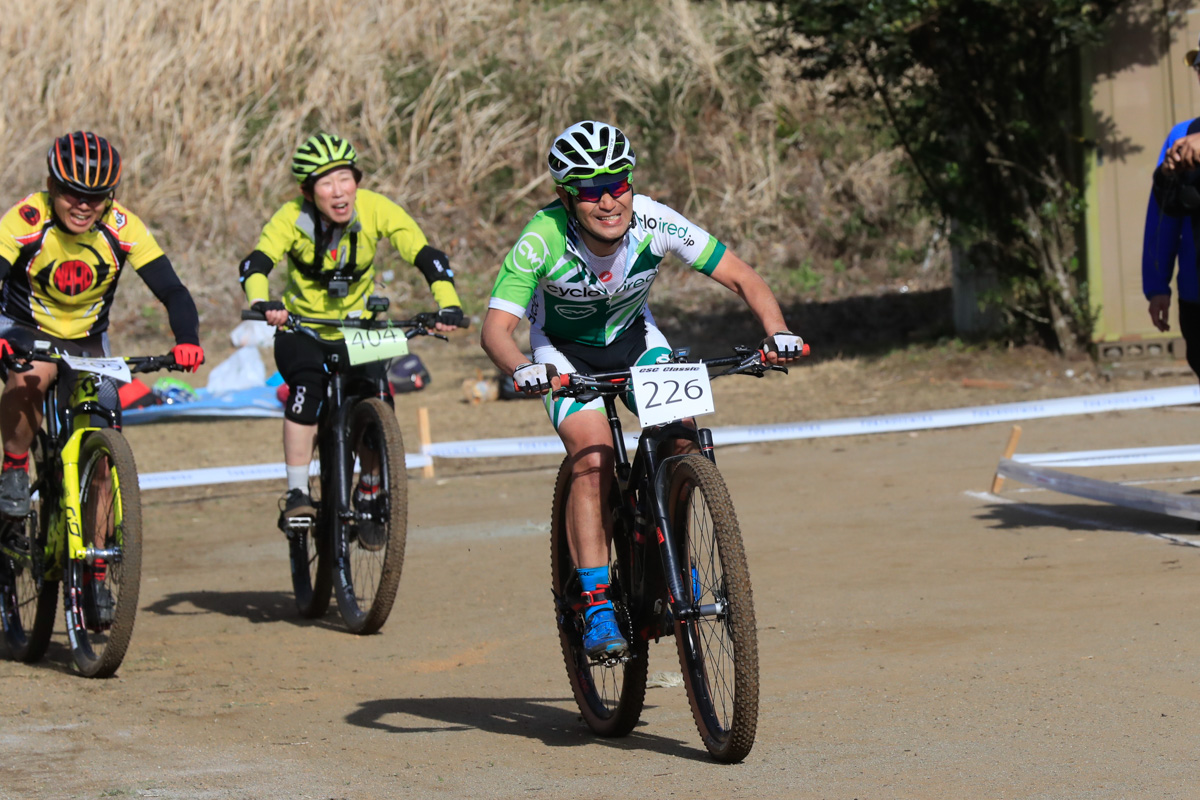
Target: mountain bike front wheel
[(28, 601), (610, 694), (718, 641), (369, 539), (100, 594)]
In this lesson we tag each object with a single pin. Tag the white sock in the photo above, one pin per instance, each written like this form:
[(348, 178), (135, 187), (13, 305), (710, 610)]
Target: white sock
[(297, 478)]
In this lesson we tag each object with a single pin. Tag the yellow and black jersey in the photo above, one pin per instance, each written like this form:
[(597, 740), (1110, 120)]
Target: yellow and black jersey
[(339, 288), (64, 283)]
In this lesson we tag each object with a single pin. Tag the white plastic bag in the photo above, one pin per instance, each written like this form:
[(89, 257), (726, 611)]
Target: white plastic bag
[(252, 332), (242, 370)]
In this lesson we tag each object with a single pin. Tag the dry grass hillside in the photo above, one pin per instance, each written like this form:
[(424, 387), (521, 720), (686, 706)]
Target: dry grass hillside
[(452, 104)]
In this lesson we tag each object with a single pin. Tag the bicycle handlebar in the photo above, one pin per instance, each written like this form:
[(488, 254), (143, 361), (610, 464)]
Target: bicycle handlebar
[(20, 360), (747, 361), (419, 325)]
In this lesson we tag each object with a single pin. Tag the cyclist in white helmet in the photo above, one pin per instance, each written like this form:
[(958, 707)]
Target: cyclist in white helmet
[(581, 271)]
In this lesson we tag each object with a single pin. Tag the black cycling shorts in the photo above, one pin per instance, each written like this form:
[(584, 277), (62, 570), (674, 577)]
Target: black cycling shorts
[(300, 360)]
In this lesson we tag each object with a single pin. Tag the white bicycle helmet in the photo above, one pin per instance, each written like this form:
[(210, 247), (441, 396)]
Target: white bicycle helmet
[(588, 152)]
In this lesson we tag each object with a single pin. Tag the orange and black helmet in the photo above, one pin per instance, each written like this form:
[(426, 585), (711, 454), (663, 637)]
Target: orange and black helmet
[(85, 163)]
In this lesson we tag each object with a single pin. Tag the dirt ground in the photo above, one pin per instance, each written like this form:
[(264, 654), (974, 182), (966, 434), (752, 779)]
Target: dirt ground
[(918, 638)]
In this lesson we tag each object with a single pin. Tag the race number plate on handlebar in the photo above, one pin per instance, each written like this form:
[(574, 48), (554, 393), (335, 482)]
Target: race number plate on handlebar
[(668, 392), (366, 345), (115, 368)]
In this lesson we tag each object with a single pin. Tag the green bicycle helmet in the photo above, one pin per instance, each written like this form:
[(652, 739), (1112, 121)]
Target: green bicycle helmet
[(322, 153), (590, 152)]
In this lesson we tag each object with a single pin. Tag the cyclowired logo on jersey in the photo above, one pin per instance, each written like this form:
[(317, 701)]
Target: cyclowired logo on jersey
[(530, 253), (30, 214), (576, 291), (119, 219), (670, 228), (73, 277), (575, 312)]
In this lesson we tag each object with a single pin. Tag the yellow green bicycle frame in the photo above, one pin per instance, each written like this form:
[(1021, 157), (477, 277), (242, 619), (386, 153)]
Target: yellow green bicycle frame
[(69, 513)]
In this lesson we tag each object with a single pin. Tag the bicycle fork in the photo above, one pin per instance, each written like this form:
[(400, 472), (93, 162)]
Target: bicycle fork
[(665, 535), (70, 506)]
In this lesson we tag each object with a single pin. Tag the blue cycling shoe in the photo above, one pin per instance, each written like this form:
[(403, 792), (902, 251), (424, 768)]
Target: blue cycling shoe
[(602, 638)]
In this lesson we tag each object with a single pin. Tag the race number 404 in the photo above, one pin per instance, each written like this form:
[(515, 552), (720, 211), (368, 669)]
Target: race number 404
[(668, 392), (365, 346)]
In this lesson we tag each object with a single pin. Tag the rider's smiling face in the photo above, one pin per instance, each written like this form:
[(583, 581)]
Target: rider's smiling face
[(604, 222), (77, 213), (334, 193)]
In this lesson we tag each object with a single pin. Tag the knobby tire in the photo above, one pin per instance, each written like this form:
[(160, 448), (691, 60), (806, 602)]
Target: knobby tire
[(718, 652), (28, 601), (367, 568), (311, 564), (609, 697), (110, 517)]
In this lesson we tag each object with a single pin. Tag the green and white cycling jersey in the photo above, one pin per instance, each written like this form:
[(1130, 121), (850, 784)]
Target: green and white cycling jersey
[(547, 277)]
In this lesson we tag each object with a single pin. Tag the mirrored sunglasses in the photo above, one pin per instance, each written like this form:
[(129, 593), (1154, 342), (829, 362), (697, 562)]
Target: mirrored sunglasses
[(592, 194)]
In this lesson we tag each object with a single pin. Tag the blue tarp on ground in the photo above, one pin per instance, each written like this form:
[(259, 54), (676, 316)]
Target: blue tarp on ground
[(259, 401)]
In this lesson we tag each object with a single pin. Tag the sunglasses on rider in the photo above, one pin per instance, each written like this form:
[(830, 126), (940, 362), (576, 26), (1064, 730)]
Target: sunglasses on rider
[(592, 194)]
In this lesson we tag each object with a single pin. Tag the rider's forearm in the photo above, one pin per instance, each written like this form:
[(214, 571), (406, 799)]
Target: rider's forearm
[(444, 294), (740, 278), (161, 279), (497, 341)]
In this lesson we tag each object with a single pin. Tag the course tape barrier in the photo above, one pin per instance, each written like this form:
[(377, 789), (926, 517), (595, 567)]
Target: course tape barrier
[(1174, 454), (252, 472), (1174, 505), (888, 423), (855, 426)]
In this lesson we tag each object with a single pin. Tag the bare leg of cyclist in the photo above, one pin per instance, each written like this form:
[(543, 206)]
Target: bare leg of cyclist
[(21, 405), (588, 440), (20, 417), (298, 442)]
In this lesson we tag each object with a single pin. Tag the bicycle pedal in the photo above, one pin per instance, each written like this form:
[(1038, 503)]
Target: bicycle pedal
[(297, 524)]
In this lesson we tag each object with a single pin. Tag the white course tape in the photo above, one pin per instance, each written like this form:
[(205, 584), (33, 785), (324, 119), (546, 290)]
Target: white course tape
[(1175, 454), (1174, 505), (251, 472), (855, 426)]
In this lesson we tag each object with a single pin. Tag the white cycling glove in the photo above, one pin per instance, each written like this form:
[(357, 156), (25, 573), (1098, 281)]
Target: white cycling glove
[(534, 378), (785, 343)]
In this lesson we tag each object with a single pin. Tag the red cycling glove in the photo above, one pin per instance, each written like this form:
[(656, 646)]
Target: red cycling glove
[(188, 356)]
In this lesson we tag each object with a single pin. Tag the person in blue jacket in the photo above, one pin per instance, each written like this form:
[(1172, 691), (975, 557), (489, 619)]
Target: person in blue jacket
[(1170, 234)]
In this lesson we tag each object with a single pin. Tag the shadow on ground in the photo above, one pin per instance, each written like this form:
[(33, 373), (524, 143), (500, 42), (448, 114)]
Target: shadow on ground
[(529, 717), (256, 607), (1025, 514)]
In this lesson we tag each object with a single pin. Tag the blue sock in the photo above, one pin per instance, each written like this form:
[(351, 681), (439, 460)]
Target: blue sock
[(591, 578)]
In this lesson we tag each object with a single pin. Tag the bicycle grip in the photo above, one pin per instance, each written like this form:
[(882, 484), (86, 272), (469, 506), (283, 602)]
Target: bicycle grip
[(257, 316)]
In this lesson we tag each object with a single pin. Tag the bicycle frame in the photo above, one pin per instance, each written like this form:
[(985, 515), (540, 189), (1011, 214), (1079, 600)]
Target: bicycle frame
[(64, 524), (334, 435), (648, 472)]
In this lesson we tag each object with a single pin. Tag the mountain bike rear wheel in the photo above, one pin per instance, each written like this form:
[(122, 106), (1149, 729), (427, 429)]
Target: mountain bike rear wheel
[(312, 567), (718, 647), (610, 695), (101, 597), (369, 541), (28, 601)]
